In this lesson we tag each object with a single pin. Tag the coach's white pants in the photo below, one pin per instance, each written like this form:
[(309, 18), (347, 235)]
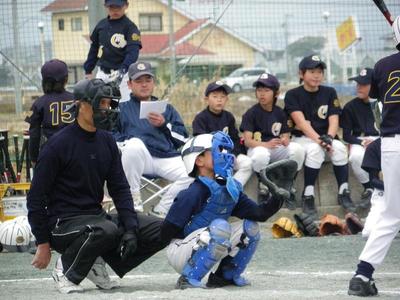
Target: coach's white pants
[(377, 204), (180, 251), (137, 160), (356, 156), (388, 224), (261, 157), (123, 87), (315, 154), (243, 173)]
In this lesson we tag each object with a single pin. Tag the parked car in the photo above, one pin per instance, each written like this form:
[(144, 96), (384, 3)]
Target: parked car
[(243, 78)]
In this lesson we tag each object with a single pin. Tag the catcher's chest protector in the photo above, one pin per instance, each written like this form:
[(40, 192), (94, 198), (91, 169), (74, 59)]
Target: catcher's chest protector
[(219, 206)]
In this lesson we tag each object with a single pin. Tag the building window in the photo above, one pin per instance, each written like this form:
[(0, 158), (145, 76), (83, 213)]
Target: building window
[(150, 22), (76, 24), (61, 24)]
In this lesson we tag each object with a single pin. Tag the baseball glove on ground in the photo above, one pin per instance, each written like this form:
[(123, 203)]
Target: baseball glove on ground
[(284, 227), (306, 224), (279, 177), (353, 223), (330, 224)]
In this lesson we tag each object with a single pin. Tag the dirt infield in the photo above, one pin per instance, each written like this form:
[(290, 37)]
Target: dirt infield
[(306, 268)]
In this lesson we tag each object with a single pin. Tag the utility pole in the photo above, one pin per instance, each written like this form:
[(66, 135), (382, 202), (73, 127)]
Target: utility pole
[(41, 37), (95, 12), (326, 15), (17, 75), (172, 41), (285, 26)]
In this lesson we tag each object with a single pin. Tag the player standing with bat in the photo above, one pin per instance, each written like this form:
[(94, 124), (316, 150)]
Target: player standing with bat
[(384, 86)]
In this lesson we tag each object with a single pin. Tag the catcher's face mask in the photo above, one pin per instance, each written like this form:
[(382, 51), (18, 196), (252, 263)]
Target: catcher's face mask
[(223, 160), (105, 113)]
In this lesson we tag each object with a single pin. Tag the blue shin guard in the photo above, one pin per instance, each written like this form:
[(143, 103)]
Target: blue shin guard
[(207, 256), (233, 267)]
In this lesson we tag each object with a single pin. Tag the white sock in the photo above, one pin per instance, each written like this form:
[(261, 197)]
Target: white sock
[(343, 186), (309, 190), (363, 278)]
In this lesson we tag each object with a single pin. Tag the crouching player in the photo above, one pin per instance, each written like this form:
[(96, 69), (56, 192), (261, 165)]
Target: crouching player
[(197, 222)]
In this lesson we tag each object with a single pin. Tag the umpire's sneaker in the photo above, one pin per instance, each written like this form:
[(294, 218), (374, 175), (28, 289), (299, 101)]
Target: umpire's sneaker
[(183, 284), (291, 202), (346, 202), (99, 276), (359, 287), (63, 285), (309, 206)]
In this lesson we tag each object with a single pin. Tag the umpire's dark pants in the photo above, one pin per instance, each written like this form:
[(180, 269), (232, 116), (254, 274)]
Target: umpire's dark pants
[(81, 239)]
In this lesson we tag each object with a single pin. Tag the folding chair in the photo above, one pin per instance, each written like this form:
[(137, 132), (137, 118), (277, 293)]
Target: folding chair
[(152, 188)]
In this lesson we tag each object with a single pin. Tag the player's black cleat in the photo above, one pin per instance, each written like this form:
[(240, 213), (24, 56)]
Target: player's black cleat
[(359, 287), (309, 207), (345, 201), (183, 283), (215, 281), (365, 201)]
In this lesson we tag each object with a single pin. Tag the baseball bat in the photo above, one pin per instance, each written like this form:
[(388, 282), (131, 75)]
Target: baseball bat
[(16, 148), (384, 10)]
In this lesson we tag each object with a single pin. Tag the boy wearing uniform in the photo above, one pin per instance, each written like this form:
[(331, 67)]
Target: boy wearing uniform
[(359, 130), (216, 118), (115, 46), (196, 225), (384, 86), (50, 111), (315, 110), (265, 129)]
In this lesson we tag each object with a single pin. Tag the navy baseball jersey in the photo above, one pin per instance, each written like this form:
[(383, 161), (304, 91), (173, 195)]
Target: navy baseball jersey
[(115, 45), (206, 122), (317, 106), (265, 125), (357, 120), (385, 87), (48, 116)]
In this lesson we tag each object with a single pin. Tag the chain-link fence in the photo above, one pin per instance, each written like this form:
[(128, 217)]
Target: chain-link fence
[(190, 42)]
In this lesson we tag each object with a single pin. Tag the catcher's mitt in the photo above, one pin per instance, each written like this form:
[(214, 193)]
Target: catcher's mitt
[(306, 224), (279, 177), (284, 227), (353, 223), (330, 224)]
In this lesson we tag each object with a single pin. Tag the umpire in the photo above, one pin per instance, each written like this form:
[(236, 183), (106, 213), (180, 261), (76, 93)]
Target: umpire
[(64, 203)]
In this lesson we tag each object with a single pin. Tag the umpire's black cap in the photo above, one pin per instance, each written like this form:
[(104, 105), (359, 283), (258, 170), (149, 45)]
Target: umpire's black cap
[(217, 85), (54, 69), (267, 80), (115, 2), (311, 62), (364, 77)]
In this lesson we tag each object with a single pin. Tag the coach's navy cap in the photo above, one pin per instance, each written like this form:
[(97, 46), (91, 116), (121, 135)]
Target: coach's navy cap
[(217, 85), (311, 62), (55, 68), (267, 80), (139, 69), (115, 2), (364, 77)]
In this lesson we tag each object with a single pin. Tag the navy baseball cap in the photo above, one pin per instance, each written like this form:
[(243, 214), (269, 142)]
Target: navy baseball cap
[(217, 85), (364, 77), (55, 68), (138, 69), (267, 80), (115, 2), (311, 62)]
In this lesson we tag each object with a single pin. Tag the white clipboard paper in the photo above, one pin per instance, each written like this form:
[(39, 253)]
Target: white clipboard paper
[(147, 107)]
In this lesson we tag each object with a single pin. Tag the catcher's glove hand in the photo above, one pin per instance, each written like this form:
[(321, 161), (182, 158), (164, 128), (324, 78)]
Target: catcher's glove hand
[(306, 224), (330, 224), (279, 177), (353, 223), (326, 140), (284, 227)]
